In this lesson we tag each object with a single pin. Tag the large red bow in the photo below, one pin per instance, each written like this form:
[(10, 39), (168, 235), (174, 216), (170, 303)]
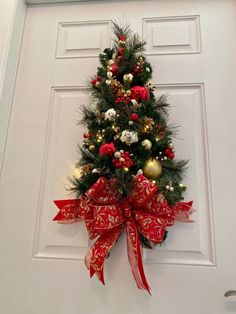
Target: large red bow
[(106, 214)]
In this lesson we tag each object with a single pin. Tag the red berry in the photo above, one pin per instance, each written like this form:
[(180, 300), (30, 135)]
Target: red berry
[(85, 135), (99, 78), (167, 151), (120, 50), (90, 134), (134, 116), (93, 82), (122, 37), (171, 156)]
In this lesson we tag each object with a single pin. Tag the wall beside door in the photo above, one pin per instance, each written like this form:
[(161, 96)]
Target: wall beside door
[(12, 15)]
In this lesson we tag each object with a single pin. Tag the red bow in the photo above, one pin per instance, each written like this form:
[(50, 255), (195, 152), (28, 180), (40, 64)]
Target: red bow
[(106, 214)]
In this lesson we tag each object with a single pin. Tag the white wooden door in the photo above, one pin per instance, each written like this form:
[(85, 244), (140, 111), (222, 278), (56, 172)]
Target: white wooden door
[(192, 47)]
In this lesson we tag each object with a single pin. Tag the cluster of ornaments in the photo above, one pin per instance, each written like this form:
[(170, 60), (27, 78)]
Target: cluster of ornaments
[(131, 97)]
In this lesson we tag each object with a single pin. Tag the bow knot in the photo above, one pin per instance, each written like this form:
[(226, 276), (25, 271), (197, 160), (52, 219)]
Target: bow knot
[(106, 214), (126, 208)]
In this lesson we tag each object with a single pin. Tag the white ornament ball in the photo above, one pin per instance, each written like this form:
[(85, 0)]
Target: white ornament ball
[(110, 114), (117, 155), (167, 187), (108, 82), (109, 74), (131, 122), (128, 77), (171, 189), (110, 62), (147, 69), (96, 170)]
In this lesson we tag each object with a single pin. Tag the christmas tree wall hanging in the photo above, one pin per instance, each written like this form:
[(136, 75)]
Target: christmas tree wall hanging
[(128, 178)]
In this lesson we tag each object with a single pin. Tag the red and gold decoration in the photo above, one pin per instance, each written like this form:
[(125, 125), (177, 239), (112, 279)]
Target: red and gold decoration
[(128, 177), (106, 214)]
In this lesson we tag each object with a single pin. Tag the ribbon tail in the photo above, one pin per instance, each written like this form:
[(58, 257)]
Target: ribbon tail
[(134, 255), (183, 211), (97, 254), (68, 211)]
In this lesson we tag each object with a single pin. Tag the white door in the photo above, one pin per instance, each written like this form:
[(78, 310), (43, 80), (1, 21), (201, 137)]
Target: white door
[(192, 47)]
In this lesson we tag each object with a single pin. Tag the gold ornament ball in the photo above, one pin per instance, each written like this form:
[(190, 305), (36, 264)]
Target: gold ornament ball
[(147, 144), (152, 168), (128, 92), (91, 148)]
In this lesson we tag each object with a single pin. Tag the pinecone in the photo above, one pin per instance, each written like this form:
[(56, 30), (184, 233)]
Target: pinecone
[(116, 87)]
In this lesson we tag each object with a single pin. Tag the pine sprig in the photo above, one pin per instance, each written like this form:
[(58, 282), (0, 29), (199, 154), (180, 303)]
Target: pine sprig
[(174, 169), (119, 30), (80, 185), (136, 45), (86, 157), (86, 115)]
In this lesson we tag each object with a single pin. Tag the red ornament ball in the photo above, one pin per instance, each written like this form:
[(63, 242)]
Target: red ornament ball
[(114, 68), (138, 92), (93, 82), (167, 151), (133, 116), (122, 37), (107, 149), (120, 50)]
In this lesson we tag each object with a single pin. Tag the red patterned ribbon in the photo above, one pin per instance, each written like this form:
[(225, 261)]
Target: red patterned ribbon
[(106, 214)]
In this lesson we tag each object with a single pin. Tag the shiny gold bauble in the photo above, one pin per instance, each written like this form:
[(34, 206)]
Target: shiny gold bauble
[(147, 144), (91, 147), (152, 168)]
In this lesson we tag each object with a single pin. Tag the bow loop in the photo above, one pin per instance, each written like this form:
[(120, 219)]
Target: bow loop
[(150, 226), (142, 190), (104, 191), (107, 217), (158, 205)]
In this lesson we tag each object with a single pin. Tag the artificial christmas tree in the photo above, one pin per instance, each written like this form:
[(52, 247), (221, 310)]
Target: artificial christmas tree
[(128, 177)]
